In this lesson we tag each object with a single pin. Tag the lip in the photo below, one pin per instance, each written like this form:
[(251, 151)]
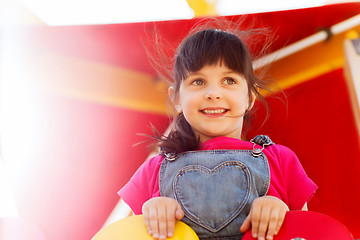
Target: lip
[(214, 111)]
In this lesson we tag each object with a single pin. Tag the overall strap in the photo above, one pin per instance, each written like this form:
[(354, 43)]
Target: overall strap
[(261, 140)]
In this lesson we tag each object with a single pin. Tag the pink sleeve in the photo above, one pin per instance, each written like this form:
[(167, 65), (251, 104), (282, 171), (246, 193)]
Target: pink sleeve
[(300, 188), (143, 185)]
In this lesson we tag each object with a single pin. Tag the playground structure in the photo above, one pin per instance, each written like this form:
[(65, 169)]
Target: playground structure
[(80, 95)]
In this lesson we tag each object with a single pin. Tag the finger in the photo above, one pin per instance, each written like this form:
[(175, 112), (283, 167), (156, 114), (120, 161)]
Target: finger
[(171, 212), (264, 222), (162, 219), (280, 221), (274, 217), (153, 221), (146, 220), (246, 224), (179, 213), (255, 220)]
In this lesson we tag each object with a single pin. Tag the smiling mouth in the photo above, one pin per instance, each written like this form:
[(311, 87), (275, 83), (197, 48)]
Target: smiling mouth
[(214, 111)]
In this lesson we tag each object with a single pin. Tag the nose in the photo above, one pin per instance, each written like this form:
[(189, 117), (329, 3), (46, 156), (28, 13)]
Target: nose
[(213, 93)]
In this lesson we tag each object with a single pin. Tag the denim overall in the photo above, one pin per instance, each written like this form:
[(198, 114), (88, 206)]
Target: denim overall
[(215, 188)]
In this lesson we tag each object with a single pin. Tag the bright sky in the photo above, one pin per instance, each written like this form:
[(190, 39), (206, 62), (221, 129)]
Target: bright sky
[(75, 12)]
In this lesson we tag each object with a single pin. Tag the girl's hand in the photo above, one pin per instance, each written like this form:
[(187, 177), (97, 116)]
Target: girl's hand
[(266, 216), (160, 215)]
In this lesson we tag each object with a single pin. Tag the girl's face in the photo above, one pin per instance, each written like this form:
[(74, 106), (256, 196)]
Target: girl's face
[(213, 101)]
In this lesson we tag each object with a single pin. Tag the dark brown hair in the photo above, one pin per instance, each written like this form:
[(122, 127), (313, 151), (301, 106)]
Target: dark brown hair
[(208, 45)]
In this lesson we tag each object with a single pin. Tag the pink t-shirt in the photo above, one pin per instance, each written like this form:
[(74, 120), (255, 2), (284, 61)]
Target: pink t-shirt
[(288, 180)]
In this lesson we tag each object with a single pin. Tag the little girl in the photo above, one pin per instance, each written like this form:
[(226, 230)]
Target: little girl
[(205, 175)]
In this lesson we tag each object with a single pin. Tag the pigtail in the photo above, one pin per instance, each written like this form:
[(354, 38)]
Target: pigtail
[(181, 137)]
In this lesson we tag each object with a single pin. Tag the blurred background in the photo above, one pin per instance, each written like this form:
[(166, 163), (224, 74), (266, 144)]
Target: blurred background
[(77, 88)]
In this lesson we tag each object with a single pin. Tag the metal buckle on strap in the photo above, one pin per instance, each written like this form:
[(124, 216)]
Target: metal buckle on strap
[(170, 156), (261, 140)]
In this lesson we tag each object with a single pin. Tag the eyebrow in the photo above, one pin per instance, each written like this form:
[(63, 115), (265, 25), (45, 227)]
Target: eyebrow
[(224, 73), (231, 72), (195, 73)]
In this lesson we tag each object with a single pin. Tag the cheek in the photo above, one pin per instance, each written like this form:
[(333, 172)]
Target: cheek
[(239, 101), (188, 98), (189, 105), (245, 99)]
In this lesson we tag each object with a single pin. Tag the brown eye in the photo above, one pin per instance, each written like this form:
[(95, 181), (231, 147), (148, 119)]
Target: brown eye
[(229, 81), (198, 82)]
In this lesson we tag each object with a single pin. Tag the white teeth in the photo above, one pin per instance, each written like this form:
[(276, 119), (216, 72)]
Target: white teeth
[(217, 111)]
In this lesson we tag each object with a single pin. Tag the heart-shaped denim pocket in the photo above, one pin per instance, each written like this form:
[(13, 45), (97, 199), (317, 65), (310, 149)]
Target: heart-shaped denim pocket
[(213, 197)]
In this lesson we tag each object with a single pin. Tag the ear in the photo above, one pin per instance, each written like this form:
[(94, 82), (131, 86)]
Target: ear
[(251, 104), (171, 93), (175, 101)]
